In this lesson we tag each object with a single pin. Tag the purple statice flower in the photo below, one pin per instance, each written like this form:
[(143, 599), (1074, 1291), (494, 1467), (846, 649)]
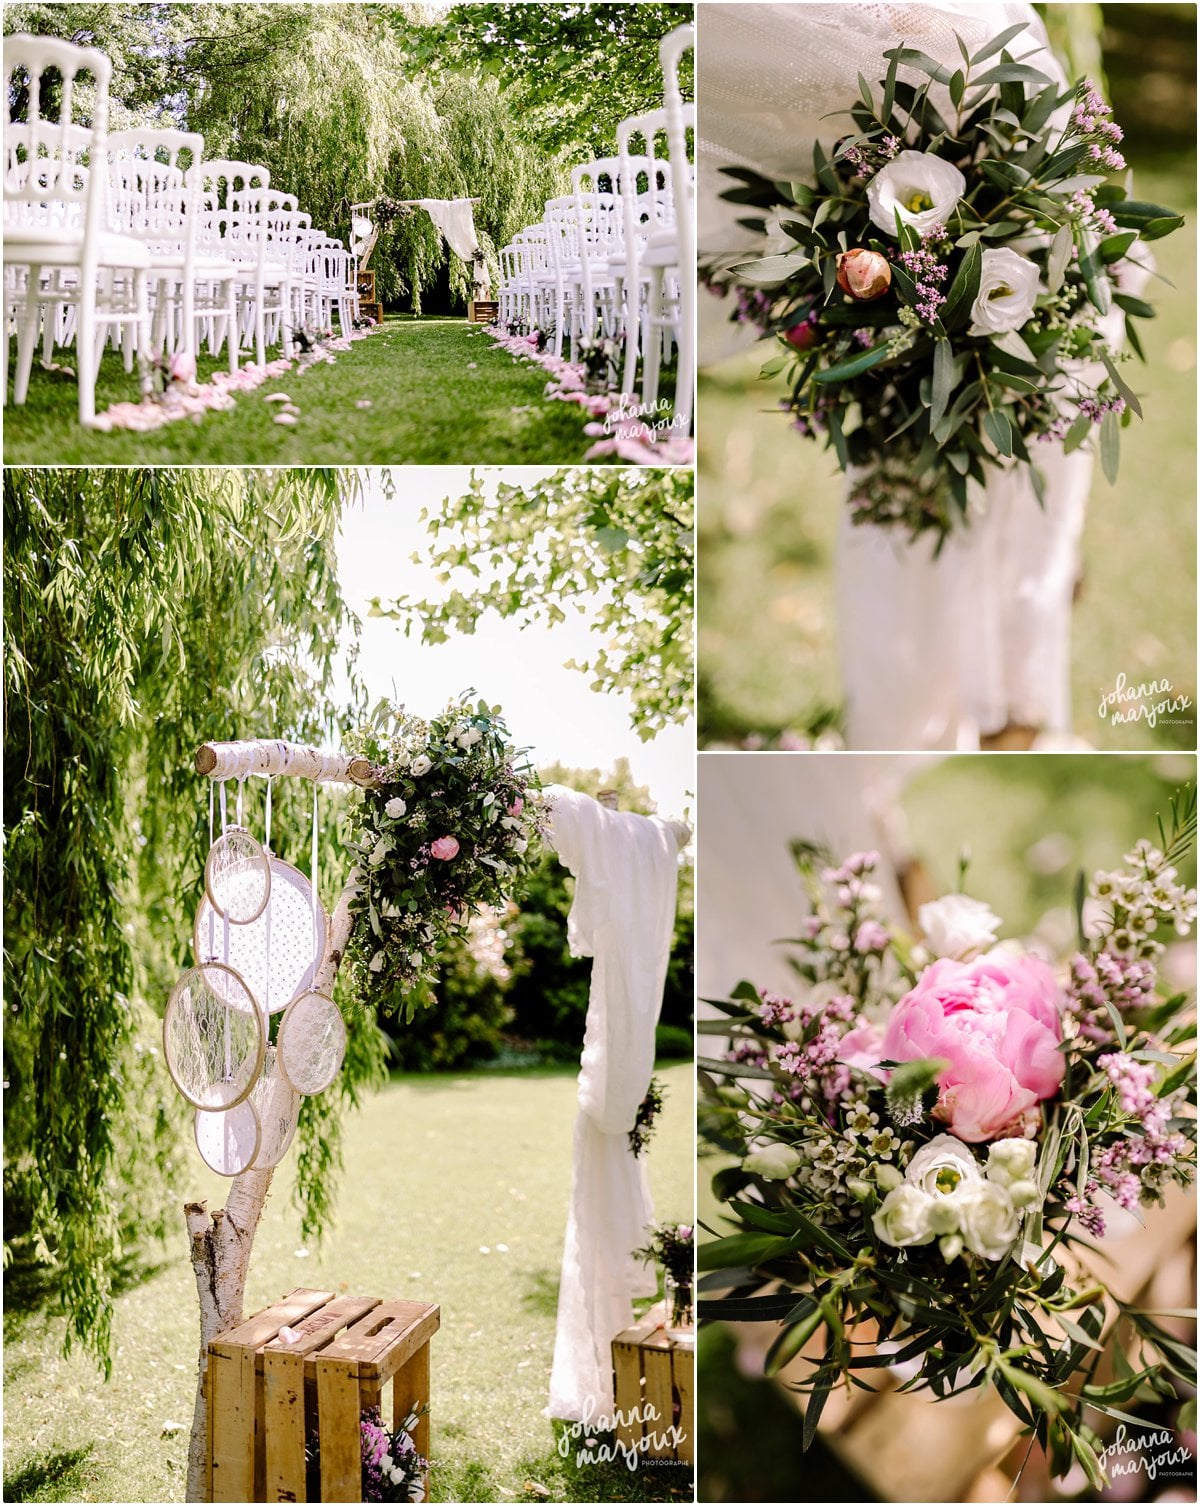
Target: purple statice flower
[(753, 307), (1092, 122), (1125, 982), (776, 1009), (928, 273), (1086, 1211), (1082, 206), (864, 337), (1098, 408)]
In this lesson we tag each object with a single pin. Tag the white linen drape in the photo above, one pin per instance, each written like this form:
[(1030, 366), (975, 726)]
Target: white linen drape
[(626, 871), (933, 654), (455, 220)]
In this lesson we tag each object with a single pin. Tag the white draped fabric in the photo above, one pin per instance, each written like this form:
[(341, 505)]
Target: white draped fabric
[(625, 869), (455, 220), (933, 653)]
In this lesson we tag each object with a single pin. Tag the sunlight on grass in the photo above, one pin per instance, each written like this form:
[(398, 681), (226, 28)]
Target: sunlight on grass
[(455, 1191), (439, 391)]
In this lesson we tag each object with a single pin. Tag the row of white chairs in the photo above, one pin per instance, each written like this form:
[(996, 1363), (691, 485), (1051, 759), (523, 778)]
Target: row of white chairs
[(133, 237), (615, 258)]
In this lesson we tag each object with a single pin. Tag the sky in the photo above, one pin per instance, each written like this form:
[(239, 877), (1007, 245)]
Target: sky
[(549, 708)]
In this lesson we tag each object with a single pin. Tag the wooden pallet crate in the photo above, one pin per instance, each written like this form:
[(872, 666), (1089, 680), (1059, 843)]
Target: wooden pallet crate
[(482, 312), (266, 1395), (653, 1369), (369, 310), (366, 283)]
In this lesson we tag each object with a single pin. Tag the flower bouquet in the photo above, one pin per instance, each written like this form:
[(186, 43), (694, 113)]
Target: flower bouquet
[(942, 292), (453, 824), (673, 1246), (392, 1467), (924, 1141)]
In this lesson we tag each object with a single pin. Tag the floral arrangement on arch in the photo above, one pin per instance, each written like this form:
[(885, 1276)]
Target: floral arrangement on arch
[(453, 824), (947, 291), (923, 1141)]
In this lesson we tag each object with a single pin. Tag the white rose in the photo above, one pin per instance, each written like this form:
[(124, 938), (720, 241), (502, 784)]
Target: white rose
[(1011, 1161), (902, 1218), (956, 926), (772, 1162), (1008, 287), (395, 808), (421, 765), (988, 1220), (921, 187), (376, 962), (943, 1167)]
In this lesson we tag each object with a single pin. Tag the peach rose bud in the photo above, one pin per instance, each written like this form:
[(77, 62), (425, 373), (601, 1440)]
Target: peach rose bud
[(865, 275)]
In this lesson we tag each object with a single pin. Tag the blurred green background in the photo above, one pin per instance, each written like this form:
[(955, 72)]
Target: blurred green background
[(1030, 822), (769, 501)]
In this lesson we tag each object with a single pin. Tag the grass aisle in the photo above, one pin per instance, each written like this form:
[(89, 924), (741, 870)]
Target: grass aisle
[(429, 405), (454, 1191)]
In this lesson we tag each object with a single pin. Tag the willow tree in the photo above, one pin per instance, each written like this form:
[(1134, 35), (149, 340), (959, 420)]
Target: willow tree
[(145, 611)]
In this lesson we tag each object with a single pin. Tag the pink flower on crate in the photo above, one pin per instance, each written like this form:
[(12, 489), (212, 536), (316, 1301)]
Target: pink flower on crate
[(997, 1021), (444, 848), (182, 366)]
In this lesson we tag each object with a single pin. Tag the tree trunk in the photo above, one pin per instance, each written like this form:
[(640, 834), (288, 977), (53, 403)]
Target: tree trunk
[(222, 1241)]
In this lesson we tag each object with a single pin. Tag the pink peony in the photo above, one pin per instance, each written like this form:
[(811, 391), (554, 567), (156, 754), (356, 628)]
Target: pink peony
[(862, 1047), (516, 807), (996, 1020), (444, 847)]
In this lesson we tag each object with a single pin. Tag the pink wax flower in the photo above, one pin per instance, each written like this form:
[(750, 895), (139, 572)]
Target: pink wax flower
[(996, 1020), (182, 366), (445, 848)]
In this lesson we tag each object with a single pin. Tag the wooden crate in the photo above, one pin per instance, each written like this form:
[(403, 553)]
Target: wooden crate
[(366, 283), (265, 1395), (482, 313), (653, 1369), (370, 310)]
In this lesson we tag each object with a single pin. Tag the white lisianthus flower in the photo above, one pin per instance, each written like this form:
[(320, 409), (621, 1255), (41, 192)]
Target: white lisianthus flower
[(772, 1162), (902, 1219), (957, 926), (520, 845), (421, 765), (943, 1167), (921, 187), (395, 808), (380, 851), (470, 737), (376, 962), (1008, 288), (988, 1220), (1011, 1161)]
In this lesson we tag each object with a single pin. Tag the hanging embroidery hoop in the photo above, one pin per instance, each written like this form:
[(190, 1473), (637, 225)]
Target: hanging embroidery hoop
[(214, 1036), (277, 1105), (237, 876), (228, 1140), (311, 1043), (279, 954)]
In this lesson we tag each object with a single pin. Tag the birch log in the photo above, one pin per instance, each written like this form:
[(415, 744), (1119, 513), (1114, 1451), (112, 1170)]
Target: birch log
[(222, 1241), (276, 756)]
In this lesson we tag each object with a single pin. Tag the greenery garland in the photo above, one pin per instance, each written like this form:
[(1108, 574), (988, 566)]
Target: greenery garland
[(454, 824)]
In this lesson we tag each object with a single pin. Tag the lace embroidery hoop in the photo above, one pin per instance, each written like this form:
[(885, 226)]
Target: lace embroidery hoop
[(311, 1043), (214, 1036), (277, 1105)]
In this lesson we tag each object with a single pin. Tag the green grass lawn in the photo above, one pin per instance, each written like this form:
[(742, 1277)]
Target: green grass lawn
[(455, 1191), (769, 505), (429, 406)]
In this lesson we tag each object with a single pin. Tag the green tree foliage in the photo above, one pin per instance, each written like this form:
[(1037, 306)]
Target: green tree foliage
[(577, 70), (540, 1007), (145, 612), (346, 102), (553, 545)]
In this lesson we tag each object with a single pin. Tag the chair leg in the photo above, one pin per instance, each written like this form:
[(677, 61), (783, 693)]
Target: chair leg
[(141, 295), (653, 351), (86, 342), (27, 334)]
